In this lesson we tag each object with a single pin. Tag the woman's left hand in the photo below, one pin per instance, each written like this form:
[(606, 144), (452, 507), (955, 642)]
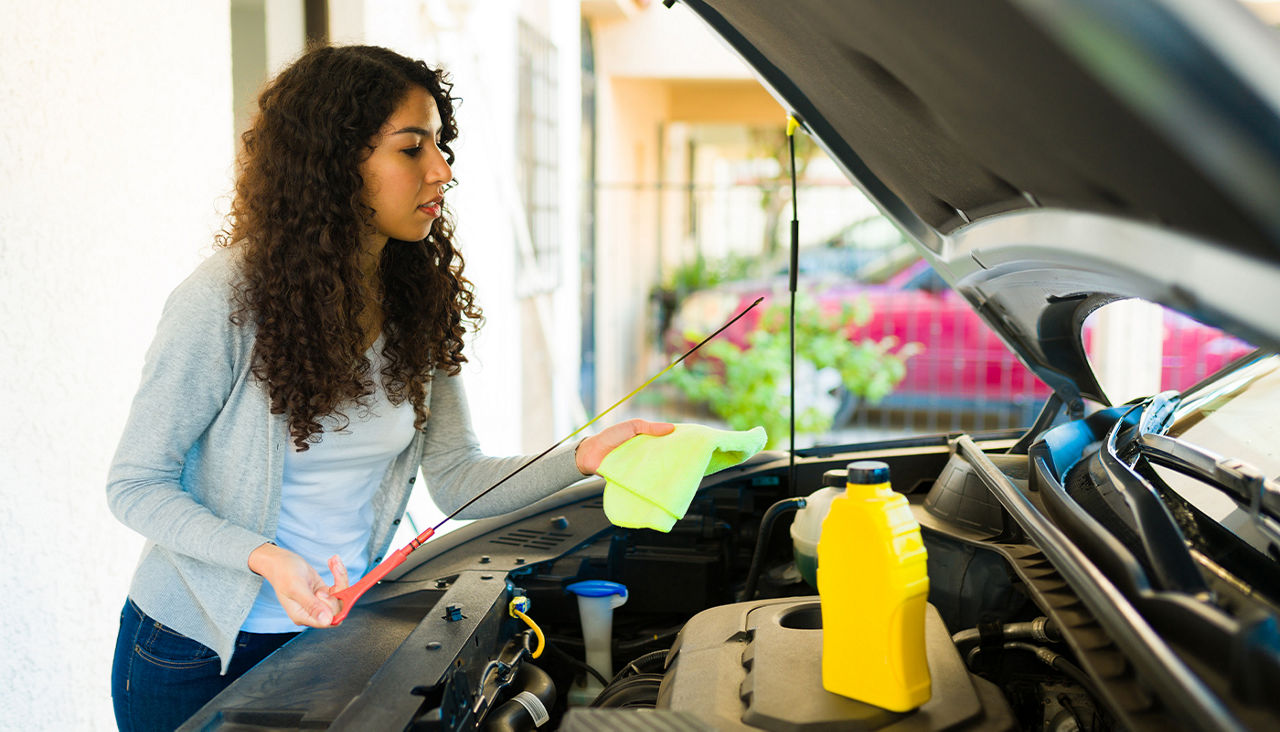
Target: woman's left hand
[(592, 450)]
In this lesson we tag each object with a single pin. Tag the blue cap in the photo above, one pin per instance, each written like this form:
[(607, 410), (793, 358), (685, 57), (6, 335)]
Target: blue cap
[(597, 588), (868, 472)]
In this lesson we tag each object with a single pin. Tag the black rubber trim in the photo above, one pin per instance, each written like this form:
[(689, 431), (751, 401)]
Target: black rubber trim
[(1163, 543), (1159, 667)]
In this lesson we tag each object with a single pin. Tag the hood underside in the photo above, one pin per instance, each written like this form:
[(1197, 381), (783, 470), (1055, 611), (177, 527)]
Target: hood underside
[(1049, 157)]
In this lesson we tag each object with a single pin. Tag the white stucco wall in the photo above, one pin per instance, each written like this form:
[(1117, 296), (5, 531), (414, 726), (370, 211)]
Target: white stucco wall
[(115, 131), (117, 135)]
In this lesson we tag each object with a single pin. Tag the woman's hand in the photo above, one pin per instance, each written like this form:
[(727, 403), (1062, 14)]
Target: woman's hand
[(592, 450), (301, 592)]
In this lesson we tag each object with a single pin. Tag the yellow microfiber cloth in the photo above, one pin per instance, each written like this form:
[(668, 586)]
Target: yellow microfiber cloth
[(650, 480)]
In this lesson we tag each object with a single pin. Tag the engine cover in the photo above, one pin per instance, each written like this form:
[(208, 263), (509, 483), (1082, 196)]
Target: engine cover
[(758, 666)]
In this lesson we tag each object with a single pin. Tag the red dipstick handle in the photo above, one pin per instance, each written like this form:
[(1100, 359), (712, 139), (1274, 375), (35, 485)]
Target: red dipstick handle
[(348, 597)]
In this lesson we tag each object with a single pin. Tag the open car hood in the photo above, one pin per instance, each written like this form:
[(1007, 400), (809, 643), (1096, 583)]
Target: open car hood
[(1049, 156)]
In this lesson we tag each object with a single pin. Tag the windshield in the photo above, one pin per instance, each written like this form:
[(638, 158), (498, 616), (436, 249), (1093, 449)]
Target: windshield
[(1236, 415)]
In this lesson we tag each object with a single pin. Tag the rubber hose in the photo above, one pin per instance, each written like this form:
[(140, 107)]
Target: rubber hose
[(576, 663), (1041, 629), (762, 541), (1059, 662), (513, 716), (1053, 660)]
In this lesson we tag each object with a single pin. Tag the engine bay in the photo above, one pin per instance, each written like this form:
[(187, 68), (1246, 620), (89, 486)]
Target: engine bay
[(712, 636)]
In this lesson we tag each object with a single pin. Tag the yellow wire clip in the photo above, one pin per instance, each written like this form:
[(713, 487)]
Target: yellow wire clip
[(792, 124), (517, 606)]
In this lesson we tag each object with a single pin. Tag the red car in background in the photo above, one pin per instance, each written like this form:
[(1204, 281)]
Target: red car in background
[(961, 366)]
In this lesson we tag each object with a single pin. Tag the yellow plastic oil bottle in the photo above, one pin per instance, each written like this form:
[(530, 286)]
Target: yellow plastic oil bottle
[(873, 584)]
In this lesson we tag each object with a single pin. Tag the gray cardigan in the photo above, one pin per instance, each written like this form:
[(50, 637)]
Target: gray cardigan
[(199, 466)]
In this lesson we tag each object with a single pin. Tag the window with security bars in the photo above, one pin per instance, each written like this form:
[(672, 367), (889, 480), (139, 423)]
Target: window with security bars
[(536, 149)]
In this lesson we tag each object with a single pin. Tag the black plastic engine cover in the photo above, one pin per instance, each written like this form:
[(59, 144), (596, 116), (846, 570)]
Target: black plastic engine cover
[(758, 665)]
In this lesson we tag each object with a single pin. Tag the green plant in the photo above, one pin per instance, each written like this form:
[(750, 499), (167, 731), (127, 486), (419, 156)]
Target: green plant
[(748, 385), (700, 272)]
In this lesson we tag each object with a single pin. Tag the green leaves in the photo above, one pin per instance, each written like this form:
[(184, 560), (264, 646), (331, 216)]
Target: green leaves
[(749, 386)]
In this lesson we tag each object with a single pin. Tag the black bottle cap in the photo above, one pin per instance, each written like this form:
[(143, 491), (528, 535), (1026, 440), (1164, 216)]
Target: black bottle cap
[(868, 472), (835, 478)]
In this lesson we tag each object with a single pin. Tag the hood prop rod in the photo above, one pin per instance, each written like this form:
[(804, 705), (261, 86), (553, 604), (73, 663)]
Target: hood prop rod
[(792, 124)]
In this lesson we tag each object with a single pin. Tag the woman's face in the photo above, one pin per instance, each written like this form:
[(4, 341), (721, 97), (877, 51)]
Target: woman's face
[(404, 174)]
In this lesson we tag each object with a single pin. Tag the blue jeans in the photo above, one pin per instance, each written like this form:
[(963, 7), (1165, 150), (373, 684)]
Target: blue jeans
[(160, 677)]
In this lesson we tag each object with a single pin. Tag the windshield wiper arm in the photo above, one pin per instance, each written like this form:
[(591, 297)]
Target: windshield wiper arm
[(1247, 485)]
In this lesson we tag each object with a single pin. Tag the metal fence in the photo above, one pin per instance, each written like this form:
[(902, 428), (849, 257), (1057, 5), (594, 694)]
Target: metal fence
[(964, 378)]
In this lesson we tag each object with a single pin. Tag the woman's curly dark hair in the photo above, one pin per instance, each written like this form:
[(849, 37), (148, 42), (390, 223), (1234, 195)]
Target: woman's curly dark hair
[(298, 216)]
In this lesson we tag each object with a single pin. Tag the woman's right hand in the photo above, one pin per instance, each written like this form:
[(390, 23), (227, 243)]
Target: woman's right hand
[(301, 592)]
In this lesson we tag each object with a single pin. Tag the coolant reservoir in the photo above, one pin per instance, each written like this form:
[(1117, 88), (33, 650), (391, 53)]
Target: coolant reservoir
[(807, 525), (873, 583)]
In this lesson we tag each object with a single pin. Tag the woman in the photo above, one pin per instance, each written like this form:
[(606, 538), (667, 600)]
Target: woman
[(298, 379)]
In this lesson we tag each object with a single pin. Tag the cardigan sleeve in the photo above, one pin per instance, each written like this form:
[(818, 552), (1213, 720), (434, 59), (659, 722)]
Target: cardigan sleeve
[(456, 470), (187, 377)]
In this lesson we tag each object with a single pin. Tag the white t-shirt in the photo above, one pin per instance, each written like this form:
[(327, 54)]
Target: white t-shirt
[(326, 501)]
